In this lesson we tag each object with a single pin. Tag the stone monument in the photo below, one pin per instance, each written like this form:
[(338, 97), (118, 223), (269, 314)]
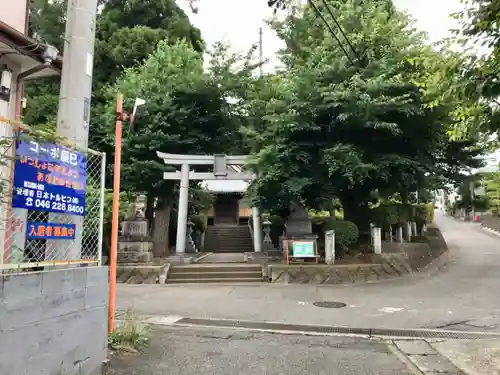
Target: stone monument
[(298, 223), (134, 244)]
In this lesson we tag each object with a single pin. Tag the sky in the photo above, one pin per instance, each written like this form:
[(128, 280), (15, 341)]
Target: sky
[(238, 22)]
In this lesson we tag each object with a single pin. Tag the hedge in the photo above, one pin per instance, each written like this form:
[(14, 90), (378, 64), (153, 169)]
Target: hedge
[(386, 215), (346, 232)]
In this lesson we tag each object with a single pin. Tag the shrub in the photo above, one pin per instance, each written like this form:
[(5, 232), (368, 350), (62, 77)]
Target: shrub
[(200, 223), (405, 213), (385, 215), (346, 232)]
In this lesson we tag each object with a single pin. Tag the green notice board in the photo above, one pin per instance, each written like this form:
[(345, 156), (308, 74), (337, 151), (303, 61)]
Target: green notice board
[(303, 249)]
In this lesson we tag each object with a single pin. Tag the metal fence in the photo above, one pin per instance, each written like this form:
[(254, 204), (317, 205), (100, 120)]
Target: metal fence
[(56, 232)]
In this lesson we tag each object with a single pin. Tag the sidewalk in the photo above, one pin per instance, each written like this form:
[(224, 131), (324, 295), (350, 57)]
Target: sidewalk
[(474, 357)]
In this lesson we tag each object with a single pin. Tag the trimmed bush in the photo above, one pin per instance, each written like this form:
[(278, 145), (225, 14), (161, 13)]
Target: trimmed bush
[(385, 215), (200, 222), (346, 232)]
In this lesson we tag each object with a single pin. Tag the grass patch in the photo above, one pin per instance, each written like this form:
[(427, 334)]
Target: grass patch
[(130, 334)]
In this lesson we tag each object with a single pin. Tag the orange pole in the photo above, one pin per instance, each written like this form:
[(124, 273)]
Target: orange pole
[(116, 208)]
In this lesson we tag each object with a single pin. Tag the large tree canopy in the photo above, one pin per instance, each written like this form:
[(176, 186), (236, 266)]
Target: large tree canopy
[(338, 126), (127, 32), (480, 22)]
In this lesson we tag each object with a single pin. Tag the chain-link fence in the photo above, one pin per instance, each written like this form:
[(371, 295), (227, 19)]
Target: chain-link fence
[(52, 204)]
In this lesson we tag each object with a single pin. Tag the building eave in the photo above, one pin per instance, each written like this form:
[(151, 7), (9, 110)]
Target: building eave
[(21, 46)]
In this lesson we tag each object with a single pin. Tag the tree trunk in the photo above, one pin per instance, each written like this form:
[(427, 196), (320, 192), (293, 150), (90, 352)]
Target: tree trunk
[(150, 210), (161, 228), (355, 210), (331, 208)]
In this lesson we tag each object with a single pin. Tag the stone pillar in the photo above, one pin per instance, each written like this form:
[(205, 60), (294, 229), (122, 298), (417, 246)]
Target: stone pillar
[(377, 240), (182, 215), (408, 231), (268, 243), (399, 234), (414, 228), (372, 234), (330, 247), (257, 230)]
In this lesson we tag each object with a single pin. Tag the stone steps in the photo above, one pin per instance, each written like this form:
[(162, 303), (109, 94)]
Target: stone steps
[(208, 281), (212, 273), (228, 239)]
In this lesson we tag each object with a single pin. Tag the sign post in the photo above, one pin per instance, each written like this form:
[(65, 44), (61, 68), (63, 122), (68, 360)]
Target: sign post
[(300, 250)]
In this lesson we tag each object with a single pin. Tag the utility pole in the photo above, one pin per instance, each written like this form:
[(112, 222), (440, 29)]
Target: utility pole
[(261, 53), (73, 116)]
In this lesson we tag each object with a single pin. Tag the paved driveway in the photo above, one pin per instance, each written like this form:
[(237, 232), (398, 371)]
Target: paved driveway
[(464, 295), (221, 352)]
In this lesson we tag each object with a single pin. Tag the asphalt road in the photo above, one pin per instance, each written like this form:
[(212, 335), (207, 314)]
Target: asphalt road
[(184, 351), (462, 296)]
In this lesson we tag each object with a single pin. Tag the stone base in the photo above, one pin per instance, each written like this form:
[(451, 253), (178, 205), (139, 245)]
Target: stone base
[(134, 245), (182, 258), (141, 274), (125, 257)]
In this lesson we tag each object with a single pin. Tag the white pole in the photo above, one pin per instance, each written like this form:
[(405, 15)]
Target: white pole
[(257, 230), (182, 215), (73, 115), (101, 209), (261, 52)]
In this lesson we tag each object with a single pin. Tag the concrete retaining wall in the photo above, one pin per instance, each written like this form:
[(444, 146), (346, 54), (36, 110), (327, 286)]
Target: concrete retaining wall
[(399, 260), (338, 274), (54, 322)]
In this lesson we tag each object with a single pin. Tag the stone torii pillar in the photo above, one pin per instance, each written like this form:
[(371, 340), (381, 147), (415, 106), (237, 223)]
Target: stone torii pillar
[(182, 211), (220, 165)]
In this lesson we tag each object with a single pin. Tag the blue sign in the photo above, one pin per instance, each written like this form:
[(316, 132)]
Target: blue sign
[(50, 231), (49, 177)]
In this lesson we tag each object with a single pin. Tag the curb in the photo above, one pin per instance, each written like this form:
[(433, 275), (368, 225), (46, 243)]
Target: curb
[(316, 330), (492, 231), (422, 358)]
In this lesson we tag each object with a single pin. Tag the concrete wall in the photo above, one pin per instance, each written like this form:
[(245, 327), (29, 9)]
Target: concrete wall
[(54, 322), (13, 13)]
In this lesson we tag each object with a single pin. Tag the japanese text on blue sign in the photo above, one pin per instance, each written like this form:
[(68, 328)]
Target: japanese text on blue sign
[(45, 231), (49, 177)]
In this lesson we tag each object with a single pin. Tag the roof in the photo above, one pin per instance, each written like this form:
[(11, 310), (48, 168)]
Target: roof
[(27, 52)]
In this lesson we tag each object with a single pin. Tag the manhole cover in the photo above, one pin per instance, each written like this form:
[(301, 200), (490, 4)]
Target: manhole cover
[(329, 304)]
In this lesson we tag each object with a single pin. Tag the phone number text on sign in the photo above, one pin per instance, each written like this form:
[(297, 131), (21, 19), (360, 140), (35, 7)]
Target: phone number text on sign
[(49, 178)]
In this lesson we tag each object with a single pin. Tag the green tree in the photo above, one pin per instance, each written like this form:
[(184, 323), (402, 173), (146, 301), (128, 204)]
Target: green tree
[(479, 24), (334, 128), (126, 33), (188, 111)]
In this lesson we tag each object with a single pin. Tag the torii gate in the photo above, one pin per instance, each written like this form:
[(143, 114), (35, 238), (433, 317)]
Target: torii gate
[(220, 165)]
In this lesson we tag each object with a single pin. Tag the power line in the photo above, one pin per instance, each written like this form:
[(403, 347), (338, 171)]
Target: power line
[(341, 30), (318, 12)]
